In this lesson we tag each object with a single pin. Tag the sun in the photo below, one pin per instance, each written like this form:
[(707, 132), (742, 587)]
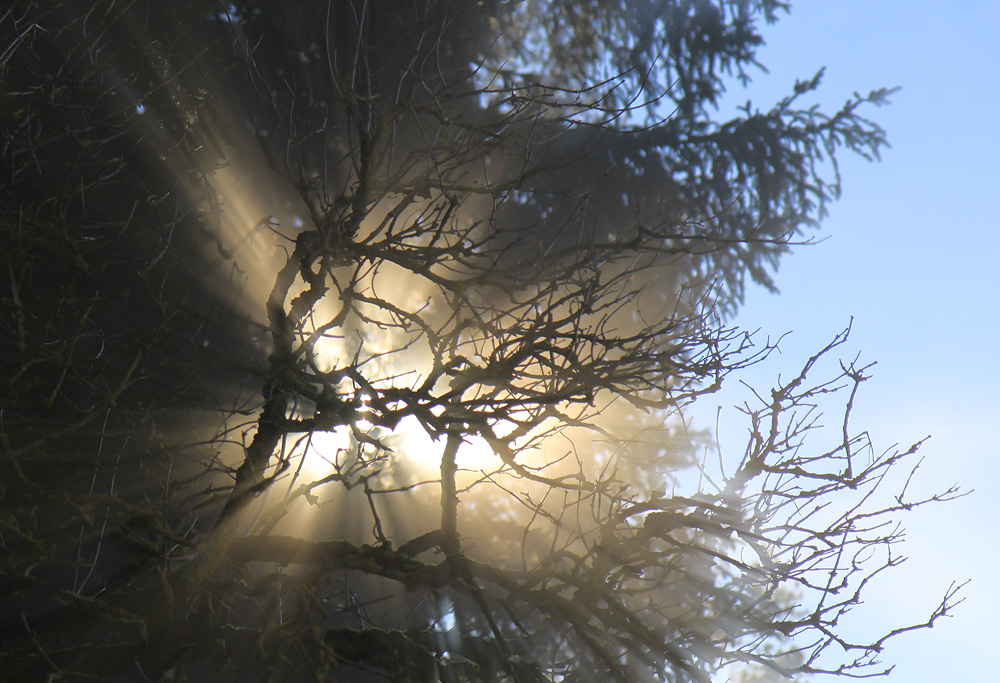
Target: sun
[(321, 453), (423, 452)]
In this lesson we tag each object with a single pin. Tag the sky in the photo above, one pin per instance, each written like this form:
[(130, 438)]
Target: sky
[(911, 255)]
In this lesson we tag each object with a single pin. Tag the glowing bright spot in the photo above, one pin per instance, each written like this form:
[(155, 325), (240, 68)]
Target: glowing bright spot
[(329, 350), (417, 446), (446, 615), (231, 15), (476, 454), (323, 451)]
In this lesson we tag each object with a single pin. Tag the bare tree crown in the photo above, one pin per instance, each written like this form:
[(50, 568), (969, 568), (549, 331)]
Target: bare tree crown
[(359, 339)]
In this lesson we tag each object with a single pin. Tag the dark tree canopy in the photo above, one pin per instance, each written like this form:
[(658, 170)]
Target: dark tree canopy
[(354, 341)]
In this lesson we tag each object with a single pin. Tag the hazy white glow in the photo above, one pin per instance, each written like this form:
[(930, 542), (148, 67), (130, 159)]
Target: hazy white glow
[(417, 447), (323, 451), (328, 350), (476, 454)]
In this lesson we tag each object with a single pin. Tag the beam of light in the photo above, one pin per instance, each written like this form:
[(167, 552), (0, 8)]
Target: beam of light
[(337, 477)]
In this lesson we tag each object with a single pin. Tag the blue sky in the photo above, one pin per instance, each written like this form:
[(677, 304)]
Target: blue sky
[(912, 256)]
